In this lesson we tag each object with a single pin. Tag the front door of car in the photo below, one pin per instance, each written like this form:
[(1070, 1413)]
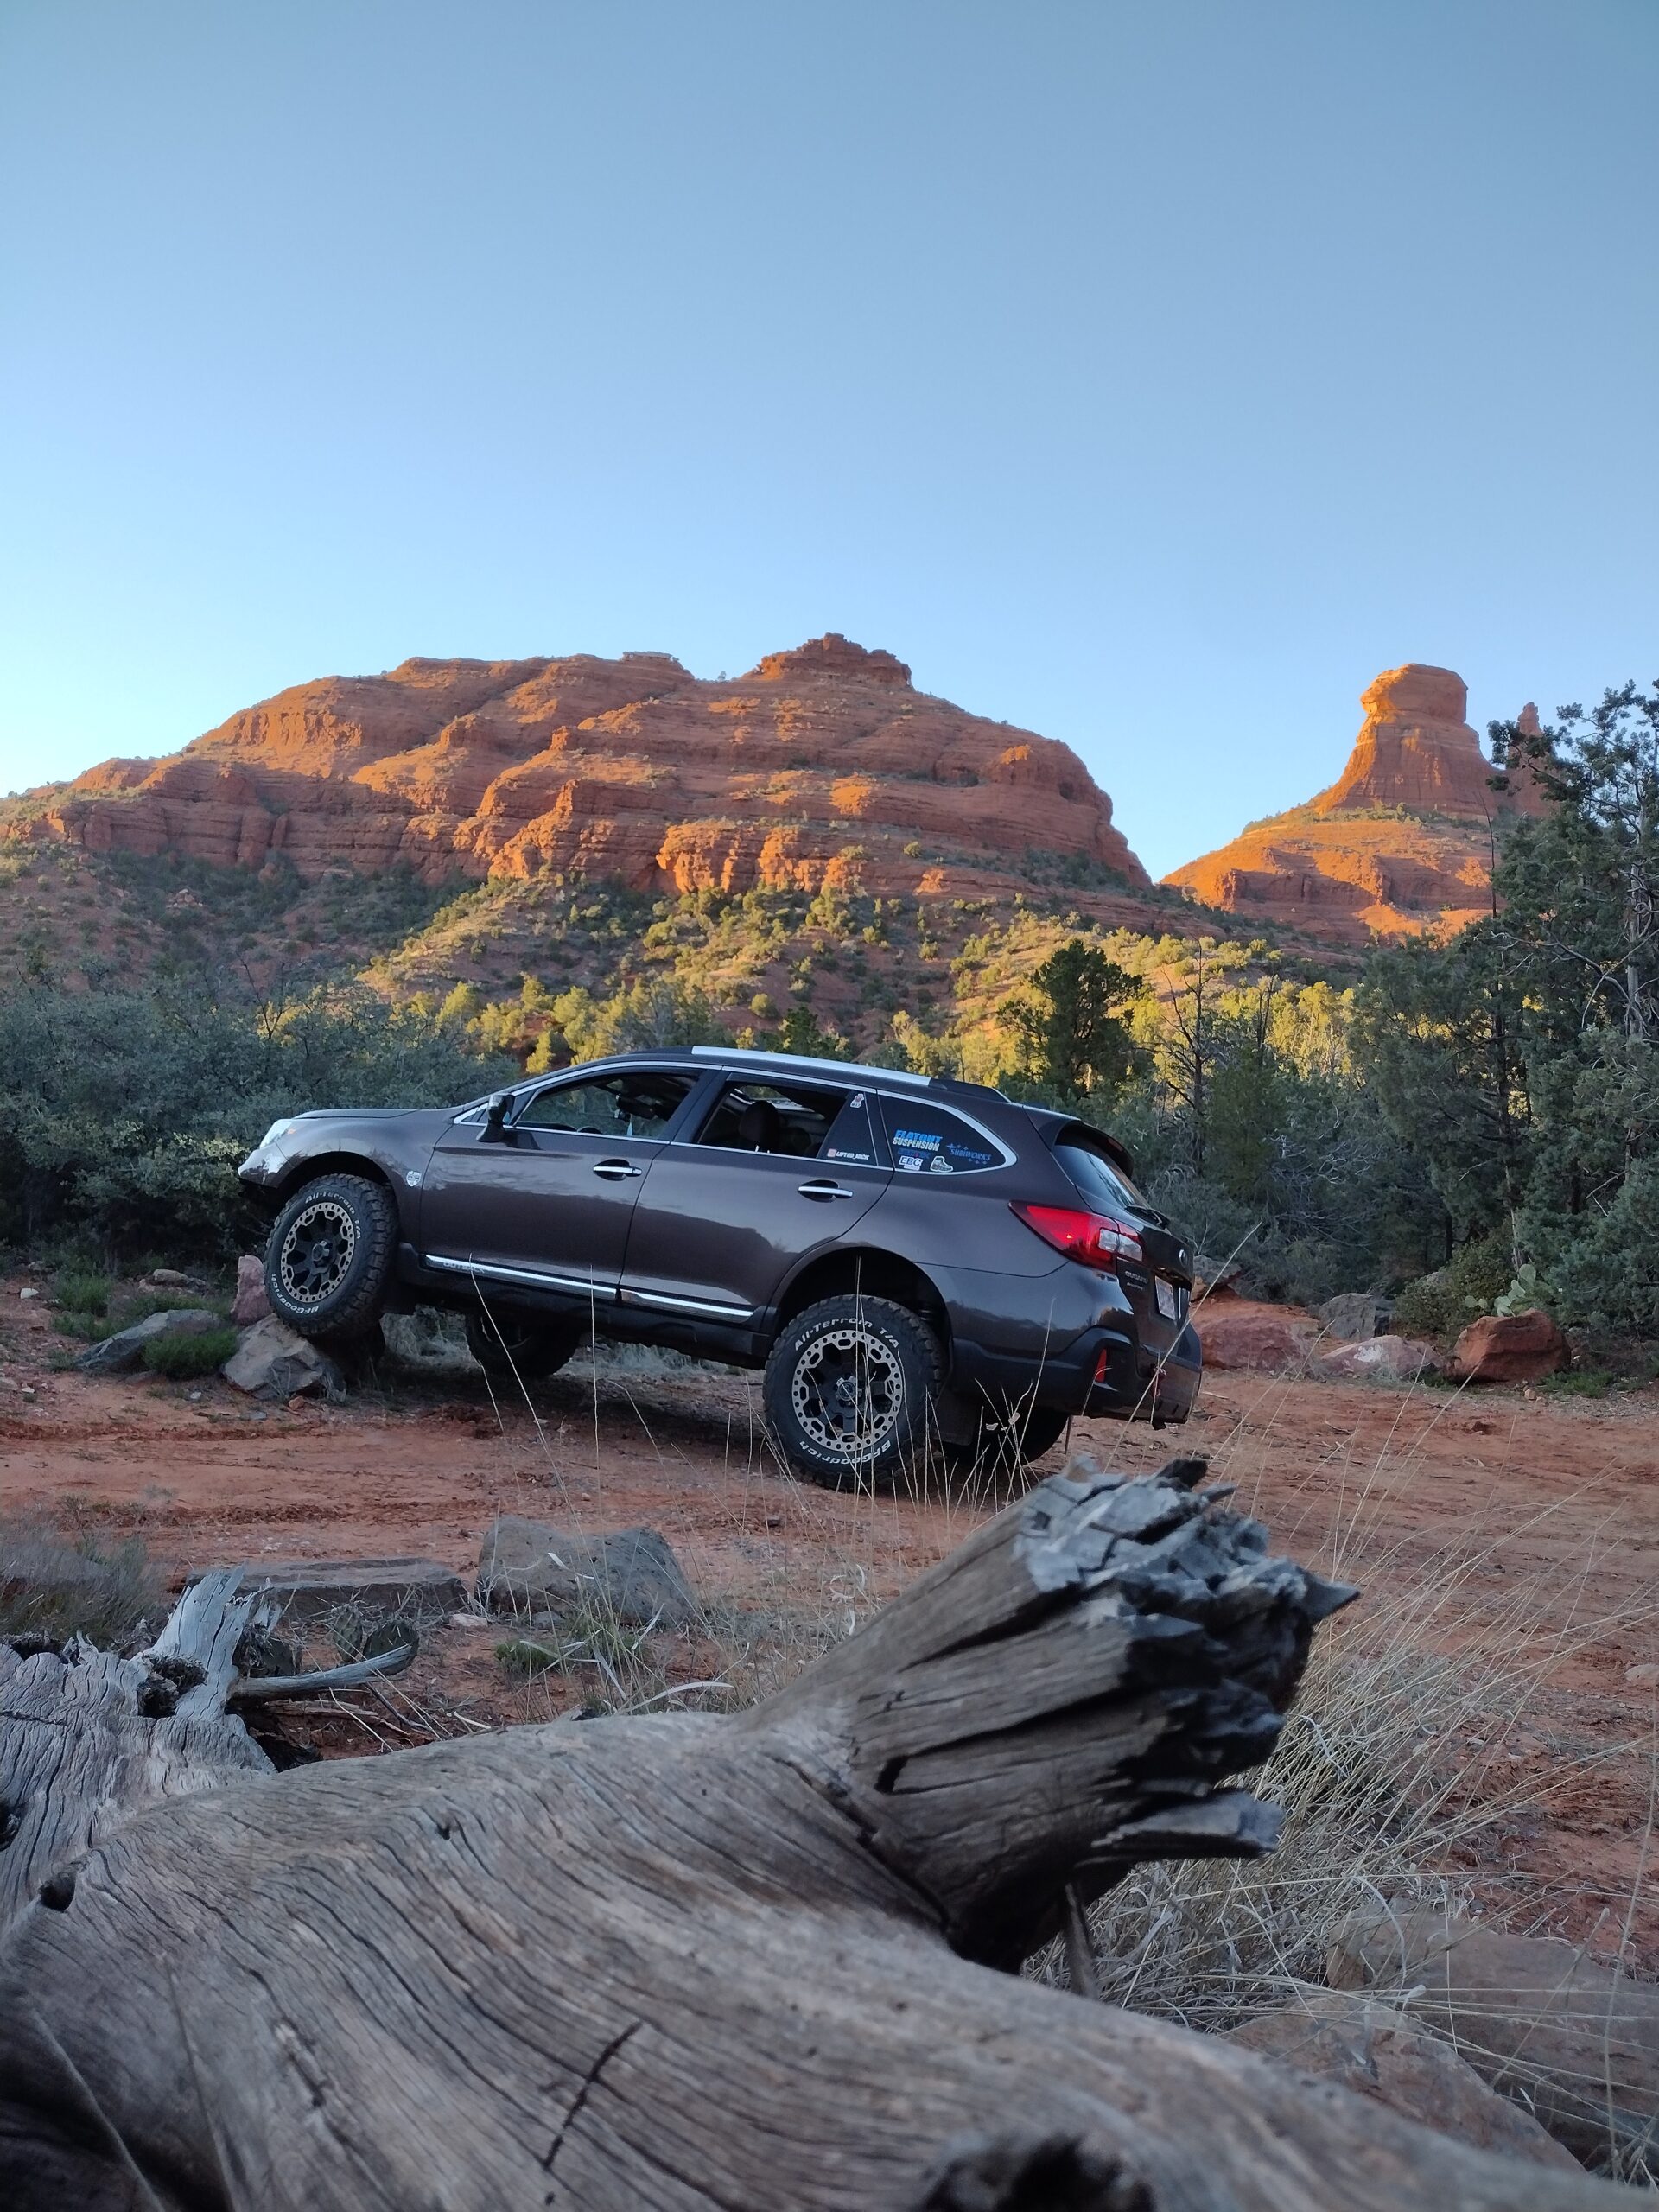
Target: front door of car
[(770, 1171), (548, 1200)]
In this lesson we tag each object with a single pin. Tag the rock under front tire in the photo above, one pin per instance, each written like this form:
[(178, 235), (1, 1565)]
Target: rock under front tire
[(330, 1256), (848, 1389), (513, 1349)]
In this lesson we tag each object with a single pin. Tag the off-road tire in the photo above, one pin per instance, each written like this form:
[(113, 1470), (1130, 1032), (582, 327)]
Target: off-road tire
[(512, 1348), (1005, 1440), (868, 1367), (330, 1256)]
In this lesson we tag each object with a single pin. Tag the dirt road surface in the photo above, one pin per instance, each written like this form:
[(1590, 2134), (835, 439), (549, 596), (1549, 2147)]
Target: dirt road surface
[(1518, 1530)]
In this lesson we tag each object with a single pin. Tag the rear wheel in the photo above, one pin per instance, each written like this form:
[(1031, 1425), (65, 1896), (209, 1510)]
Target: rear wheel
[(847, 1388), (513, 1349), (330, 1256)]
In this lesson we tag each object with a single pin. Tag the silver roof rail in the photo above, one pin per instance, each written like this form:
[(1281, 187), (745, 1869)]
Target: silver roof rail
[(776, 1063)]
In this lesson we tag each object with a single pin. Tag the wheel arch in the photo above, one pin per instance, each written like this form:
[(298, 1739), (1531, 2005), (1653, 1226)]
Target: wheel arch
[(847, 1269), (329, 1163)]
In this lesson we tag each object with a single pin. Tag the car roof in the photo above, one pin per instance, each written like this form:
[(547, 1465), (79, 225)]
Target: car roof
[(746, 1059)]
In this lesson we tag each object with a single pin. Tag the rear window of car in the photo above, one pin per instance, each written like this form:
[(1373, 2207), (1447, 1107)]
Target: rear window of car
[(928, 1140), (799, 1120), (1097, 1177)]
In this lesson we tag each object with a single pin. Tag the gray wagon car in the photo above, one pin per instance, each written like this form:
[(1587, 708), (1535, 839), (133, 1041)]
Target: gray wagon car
[(908, 1258)]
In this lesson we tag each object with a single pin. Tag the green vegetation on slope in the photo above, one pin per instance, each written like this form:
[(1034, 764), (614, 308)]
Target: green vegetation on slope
[(1492, 1103)]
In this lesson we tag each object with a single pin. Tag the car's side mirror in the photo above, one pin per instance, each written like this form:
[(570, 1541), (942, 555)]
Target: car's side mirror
[(498, 1114)]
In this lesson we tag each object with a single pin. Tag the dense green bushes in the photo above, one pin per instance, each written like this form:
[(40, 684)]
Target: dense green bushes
[(123, 1113), (1473, 1116), (1521, 1061)]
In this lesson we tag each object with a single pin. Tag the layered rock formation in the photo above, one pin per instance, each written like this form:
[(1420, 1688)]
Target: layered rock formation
[(1401, 842), (822, 763)]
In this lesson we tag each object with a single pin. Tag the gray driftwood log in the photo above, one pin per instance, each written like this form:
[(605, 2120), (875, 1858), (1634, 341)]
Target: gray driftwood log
[(757, 1962)]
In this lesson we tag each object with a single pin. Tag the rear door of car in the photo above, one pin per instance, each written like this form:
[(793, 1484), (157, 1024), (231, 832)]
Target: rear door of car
[(722, 1219), (548, 1201)]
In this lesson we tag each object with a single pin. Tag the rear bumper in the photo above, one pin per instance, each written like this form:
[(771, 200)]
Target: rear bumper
[(1104, 1372), (1138, 1384)]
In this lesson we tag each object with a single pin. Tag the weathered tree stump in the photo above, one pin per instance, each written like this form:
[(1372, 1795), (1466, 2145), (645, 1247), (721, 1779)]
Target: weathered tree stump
[(687, 1962)]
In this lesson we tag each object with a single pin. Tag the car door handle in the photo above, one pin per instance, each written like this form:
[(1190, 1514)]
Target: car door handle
[(824, 1190), (616, 1171)]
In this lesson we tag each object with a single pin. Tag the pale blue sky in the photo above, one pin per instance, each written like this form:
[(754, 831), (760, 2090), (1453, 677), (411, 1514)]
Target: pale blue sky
[(1151, 375)]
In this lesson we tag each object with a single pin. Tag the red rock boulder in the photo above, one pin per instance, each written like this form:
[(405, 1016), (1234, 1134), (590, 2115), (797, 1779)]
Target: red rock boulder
[(250, 1304), (1508, 1348), (1245, 1332)]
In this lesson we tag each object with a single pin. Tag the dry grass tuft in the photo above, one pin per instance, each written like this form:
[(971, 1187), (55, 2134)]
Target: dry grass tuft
[(54, 1589)]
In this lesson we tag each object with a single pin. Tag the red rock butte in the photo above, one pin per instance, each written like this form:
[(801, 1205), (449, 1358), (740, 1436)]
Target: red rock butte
[(1400, 842), (821, 764)]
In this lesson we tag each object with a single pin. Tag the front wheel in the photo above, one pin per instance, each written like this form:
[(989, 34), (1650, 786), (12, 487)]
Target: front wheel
[(517, 1351), (330, 1256), (847, 1388)]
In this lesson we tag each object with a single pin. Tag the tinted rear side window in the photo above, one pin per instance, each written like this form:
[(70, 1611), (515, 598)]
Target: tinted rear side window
[(930, 1140), (1096, 1178), (766, 1117)]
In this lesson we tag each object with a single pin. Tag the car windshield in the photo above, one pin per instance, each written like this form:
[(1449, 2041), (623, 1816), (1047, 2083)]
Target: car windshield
[(1099, 1178)]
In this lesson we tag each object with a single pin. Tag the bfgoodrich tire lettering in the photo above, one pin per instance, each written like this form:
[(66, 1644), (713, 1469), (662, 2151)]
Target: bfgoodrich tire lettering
[(330, 1255), (847, 1388)]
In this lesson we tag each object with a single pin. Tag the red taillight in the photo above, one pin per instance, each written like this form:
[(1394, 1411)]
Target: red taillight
[(1093, 1238)]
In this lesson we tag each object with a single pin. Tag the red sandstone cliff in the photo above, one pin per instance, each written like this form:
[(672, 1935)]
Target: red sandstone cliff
[(1401, 842), (821, 763)]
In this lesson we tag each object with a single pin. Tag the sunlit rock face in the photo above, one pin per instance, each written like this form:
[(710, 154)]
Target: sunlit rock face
[(824, 762), (1401, 842)]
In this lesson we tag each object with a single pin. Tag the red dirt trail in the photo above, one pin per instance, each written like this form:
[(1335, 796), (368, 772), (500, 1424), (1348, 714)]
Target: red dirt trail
[(1510, 1520)]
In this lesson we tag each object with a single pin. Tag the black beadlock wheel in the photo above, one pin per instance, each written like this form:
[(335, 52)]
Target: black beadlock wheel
[(847, 1388), (510, 1348), (330, 1256)]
